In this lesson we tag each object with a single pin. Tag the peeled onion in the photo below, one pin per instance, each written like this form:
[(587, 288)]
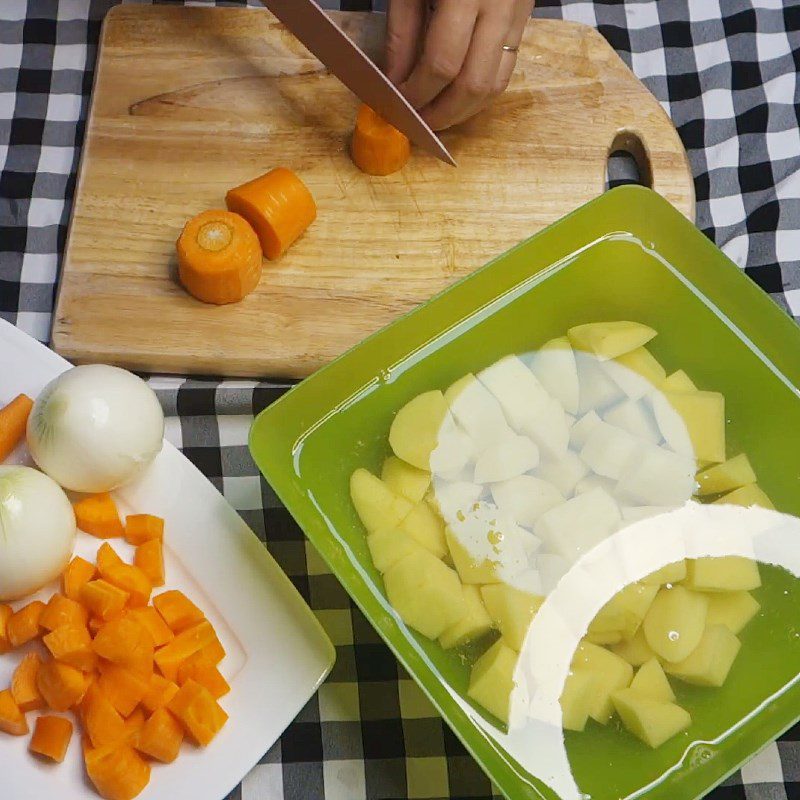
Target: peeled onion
[(95, 427), (37, 531)]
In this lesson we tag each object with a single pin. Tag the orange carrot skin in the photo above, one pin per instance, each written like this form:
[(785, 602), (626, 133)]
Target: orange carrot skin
[(219, 257), (13, 420), (278, 205), (377, 147)]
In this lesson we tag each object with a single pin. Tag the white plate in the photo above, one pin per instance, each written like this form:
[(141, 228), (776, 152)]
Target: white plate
[(277, 653)]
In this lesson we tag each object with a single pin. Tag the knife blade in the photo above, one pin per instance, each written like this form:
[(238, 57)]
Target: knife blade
[(345, 59)]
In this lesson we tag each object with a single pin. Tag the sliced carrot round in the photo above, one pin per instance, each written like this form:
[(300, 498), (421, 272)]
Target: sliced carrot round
[(219, 257), (378, 148), (278, 205)]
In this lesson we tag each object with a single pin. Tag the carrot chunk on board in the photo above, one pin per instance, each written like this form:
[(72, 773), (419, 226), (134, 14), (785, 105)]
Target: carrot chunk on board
[(161, 737), (140, 528), (98, 515), (201, 715), (177, 610), (23, 625), (24, 690), (51, 737), (78, 572), (12, 720), (62, 610), (117, 772)]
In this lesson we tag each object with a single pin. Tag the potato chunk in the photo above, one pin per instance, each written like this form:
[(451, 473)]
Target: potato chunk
[(426, 593), (576, 699), (733, 609), (388, 546), (722, 574), (404, 479), (651, 682), (669, 573), (610, 672), (415, 429), (636, 651), (650, 720), (609, 339), (679, 381), (711, 661), (474, 624), (376, 504), (703, 413), (470, 569), (426, 528), (675, 623), (732, 474), (492, 679), (625, 611), (746, 496), (512, 610)]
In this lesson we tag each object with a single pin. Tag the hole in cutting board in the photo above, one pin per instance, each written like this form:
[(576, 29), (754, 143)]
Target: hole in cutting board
[(628, 161)]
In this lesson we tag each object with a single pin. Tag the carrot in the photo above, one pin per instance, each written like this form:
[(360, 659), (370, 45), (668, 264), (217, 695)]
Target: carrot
[(149, 558), (98, 515), (201, 715), (13, 419), (124, 576), (140, 528), (124, 688), (12, 720), (101, 720), (103, 599), (159, 693), (161, 737), (63, 611), (219, 258), (72, 644), (23, 625), (134, 725), (178, 611), (5, 614), (377, 147), (78, 572), (125, 642), (278, 205), (24, 690), (51, 737), (170, 657), (117, 772), (153, 623), (61, 685), (205, 673)]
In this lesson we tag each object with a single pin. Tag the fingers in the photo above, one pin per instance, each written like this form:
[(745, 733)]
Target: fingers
[(405, 21), (447, 42), (476, 81), (522, 14)]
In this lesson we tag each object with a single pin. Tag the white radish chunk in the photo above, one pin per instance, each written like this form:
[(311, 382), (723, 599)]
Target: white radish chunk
[(551, 569), (633, 385), (671, 425), (554, 366), (610, 450), (549, 429), (579, 524), (526, 498), (597, 390), (528, 580), (631, 514), (515, 387), (658, 477), (582, 428), (593, 482), (453, 499), (563, 473), (453, 449), (506, 459), (636, 418), (477, 412)]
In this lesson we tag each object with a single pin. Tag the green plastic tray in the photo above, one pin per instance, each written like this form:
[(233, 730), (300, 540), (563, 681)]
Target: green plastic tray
[(626, 255)]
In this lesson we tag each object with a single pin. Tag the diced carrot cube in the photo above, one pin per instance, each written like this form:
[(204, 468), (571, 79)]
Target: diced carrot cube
[(23, 625), (143, 527), (134, 725), (24, 690), (98, 515), (178, 611), (125, 642), (117, 772), (12, 720), (153, 623), (102, 721), (159, 693), (62, 611), (72, 644), (214, 652), (161, 737), (51, 737), (201, 715), (205, 673), (61, 685), (78, 572), (127, 577), (5, 614), (123, 687), (103, 599), (149, 557), (185, 644)]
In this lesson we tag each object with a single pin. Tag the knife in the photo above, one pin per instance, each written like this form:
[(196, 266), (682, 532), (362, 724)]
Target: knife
[(317, 31)]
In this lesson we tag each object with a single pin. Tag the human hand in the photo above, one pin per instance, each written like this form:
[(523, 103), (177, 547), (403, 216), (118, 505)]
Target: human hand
[(451, 57)]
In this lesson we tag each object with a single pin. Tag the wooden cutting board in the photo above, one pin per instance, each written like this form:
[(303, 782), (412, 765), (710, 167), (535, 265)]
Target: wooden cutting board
[(191, 101)]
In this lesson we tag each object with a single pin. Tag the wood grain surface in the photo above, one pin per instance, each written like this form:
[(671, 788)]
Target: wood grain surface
[(191, 101)]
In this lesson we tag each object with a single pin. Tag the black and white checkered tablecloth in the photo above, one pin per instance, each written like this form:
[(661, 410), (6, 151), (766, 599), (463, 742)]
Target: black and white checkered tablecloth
[(725, 71)]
